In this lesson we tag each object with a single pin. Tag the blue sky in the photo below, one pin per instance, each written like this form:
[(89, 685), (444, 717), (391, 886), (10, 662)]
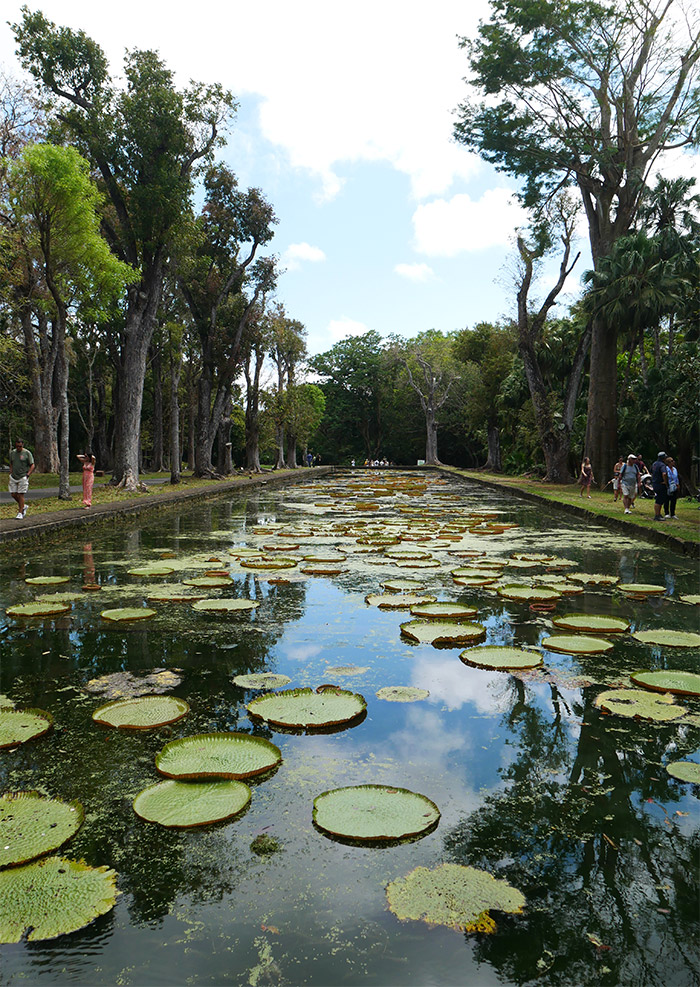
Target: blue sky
[(345, 123)]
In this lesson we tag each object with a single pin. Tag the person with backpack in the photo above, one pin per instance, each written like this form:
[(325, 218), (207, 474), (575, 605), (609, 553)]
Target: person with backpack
[(629, 482)]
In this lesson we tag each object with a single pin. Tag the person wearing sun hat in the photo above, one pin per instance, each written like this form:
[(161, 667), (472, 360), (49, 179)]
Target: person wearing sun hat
[(629, 482), (659, 481)]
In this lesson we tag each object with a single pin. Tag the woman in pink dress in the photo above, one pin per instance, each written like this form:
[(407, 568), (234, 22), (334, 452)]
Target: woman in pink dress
[(88, 461)]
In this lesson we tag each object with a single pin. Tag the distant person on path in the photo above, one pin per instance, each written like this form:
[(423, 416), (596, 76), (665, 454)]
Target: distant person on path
[(629, 482), (309, 459), (88, 461), (586, 477), (616, 477), (21, 468), (672, 489), (659, 481)]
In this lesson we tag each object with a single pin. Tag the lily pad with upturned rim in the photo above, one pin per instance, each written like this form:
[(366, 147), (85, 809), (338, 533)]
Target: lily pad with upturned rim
[(225, 605), (20, 725), (693, 598), (39, 608), (307, 709), (374, 813), (47, 580), (32, 825), (685, 771), (217, 755), (494, 656), (128, 613), (639, 704), (403, 585), (585, 623), (261, 680), (667, 680), (571, 645), (52, 897), (640, 589), (184, 804), (443, 611), (151, 571), (401, 693), (438, 632), (398, 601), (453, 895), (539, 594), (668, 638), (142, 712), (212, 582)]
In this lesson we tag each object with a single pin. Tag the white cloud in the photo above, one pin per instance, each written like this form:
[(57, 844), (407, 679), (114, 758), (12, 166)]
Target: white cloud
[(297, 252), (343, 327), (444, 228), (415, 272)]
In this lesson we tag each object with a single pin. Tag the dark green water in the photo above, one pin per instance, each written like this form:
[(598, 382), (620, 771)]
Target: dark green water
[(534, 784)]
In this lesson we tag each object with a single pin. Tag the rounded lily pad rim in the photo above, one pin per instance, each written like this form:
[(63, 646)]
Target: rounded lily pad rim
[(34, 711), (307, 692), (169, 782), (381, 840), (560, 622), (634, 677), (31, 794), (468, 659), (145, 700), (213, 775)]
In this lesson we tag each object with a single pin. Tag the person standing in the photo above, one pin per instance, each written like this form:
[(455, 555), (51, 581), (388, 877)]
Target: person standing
[(586, 477), (629, 482), (672, 488), (88, 461), (21, 468), (659, 482), (616, 477)]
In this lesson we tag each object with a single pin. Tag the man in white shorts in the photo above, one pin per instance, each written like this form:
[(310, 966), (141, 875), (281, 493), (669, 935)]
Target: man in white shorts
[(21, 468), (629, 482)]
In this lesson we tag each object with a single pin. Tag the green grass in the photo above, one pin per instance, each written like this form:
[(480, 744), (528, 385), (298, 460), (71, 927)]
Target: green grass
[(601, 503)]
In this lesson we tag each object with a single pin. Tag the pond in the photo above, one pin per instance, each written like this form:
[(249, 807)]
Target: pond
[(535, 783)]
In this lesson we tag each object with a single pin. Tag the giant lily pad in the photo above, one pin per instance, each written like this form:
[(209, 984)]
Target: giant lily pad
[(210, 582), (226, 605), (52, 897), (668, 680), (273, 562), (19, 725), (323, 569), (668, 639), (593, 578), (540, 594), (217, 755), (47, 580), (640, 589), (128, 613), (32, 825), (175, 594), (306, 709), (401, 693), (453, 895), (152, 570), (261, 680), (374, 813), (119, 685), (403, 585), (443, 611), (586, 623), (570, 645), (398, 601), (693, 598), (179, 804), (40, 608), (639, 704), (438, 632), (685, 771), (494, 656), (141, 713)]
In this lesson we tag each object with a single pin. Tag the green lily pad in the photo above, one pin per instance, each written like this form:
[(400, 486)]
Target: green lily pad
[(564, 589), (52, 897), (374, 813), (471, 582), (274, 562), (668, 639), (494, 656), (693, 598), (641, 589), (151, 571), (540, 594), (685, 771), (403, 585), (65, 596), (225, 605), (347, 670), (19, 725), (438, 633), (402, 554), (639, 704), (416, 563), (141, 713), (40, 608), (531, 557), (47, 580), (587, 623), (120, 685), (398, 601), (32, 825), (453, 895), (261, 680), (217, 755), (476, 572), (570, 645), (593, 578), (401, 694), (323, 569), (180, 804), (443, 611), (128, 613), (668, 680), (211, 582), (175, 594), (306, 709)]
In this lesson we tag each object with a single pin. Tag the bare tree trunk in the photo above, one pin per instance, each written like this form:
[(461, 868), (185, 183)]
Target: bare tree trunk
[(41, 362), (431, 444), (175, 372), (494, 444), (158, 444), (601, 424), (103, 452)]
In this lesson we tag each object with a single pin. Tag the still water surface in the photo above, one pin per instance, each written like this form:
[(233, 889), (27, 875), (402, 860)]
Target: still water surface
[(534, 784)]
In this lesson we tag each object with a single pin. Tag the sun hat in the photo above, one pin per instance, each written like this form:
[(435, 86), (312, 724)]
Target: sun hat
[(661, 455), (632, 456)]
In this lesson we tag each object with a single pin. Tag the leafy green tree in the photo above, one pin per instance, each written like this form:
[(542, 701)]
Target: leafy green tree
[(432, 372), (585, 94), (287, 348), (145, 141), (306, 404)]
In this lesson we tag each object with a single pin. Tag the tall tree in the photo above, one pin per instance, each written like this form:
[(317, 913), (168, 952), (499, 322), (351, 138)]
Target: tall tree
[(585, 94), (432, 371), (287, 348), (145, 140)]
